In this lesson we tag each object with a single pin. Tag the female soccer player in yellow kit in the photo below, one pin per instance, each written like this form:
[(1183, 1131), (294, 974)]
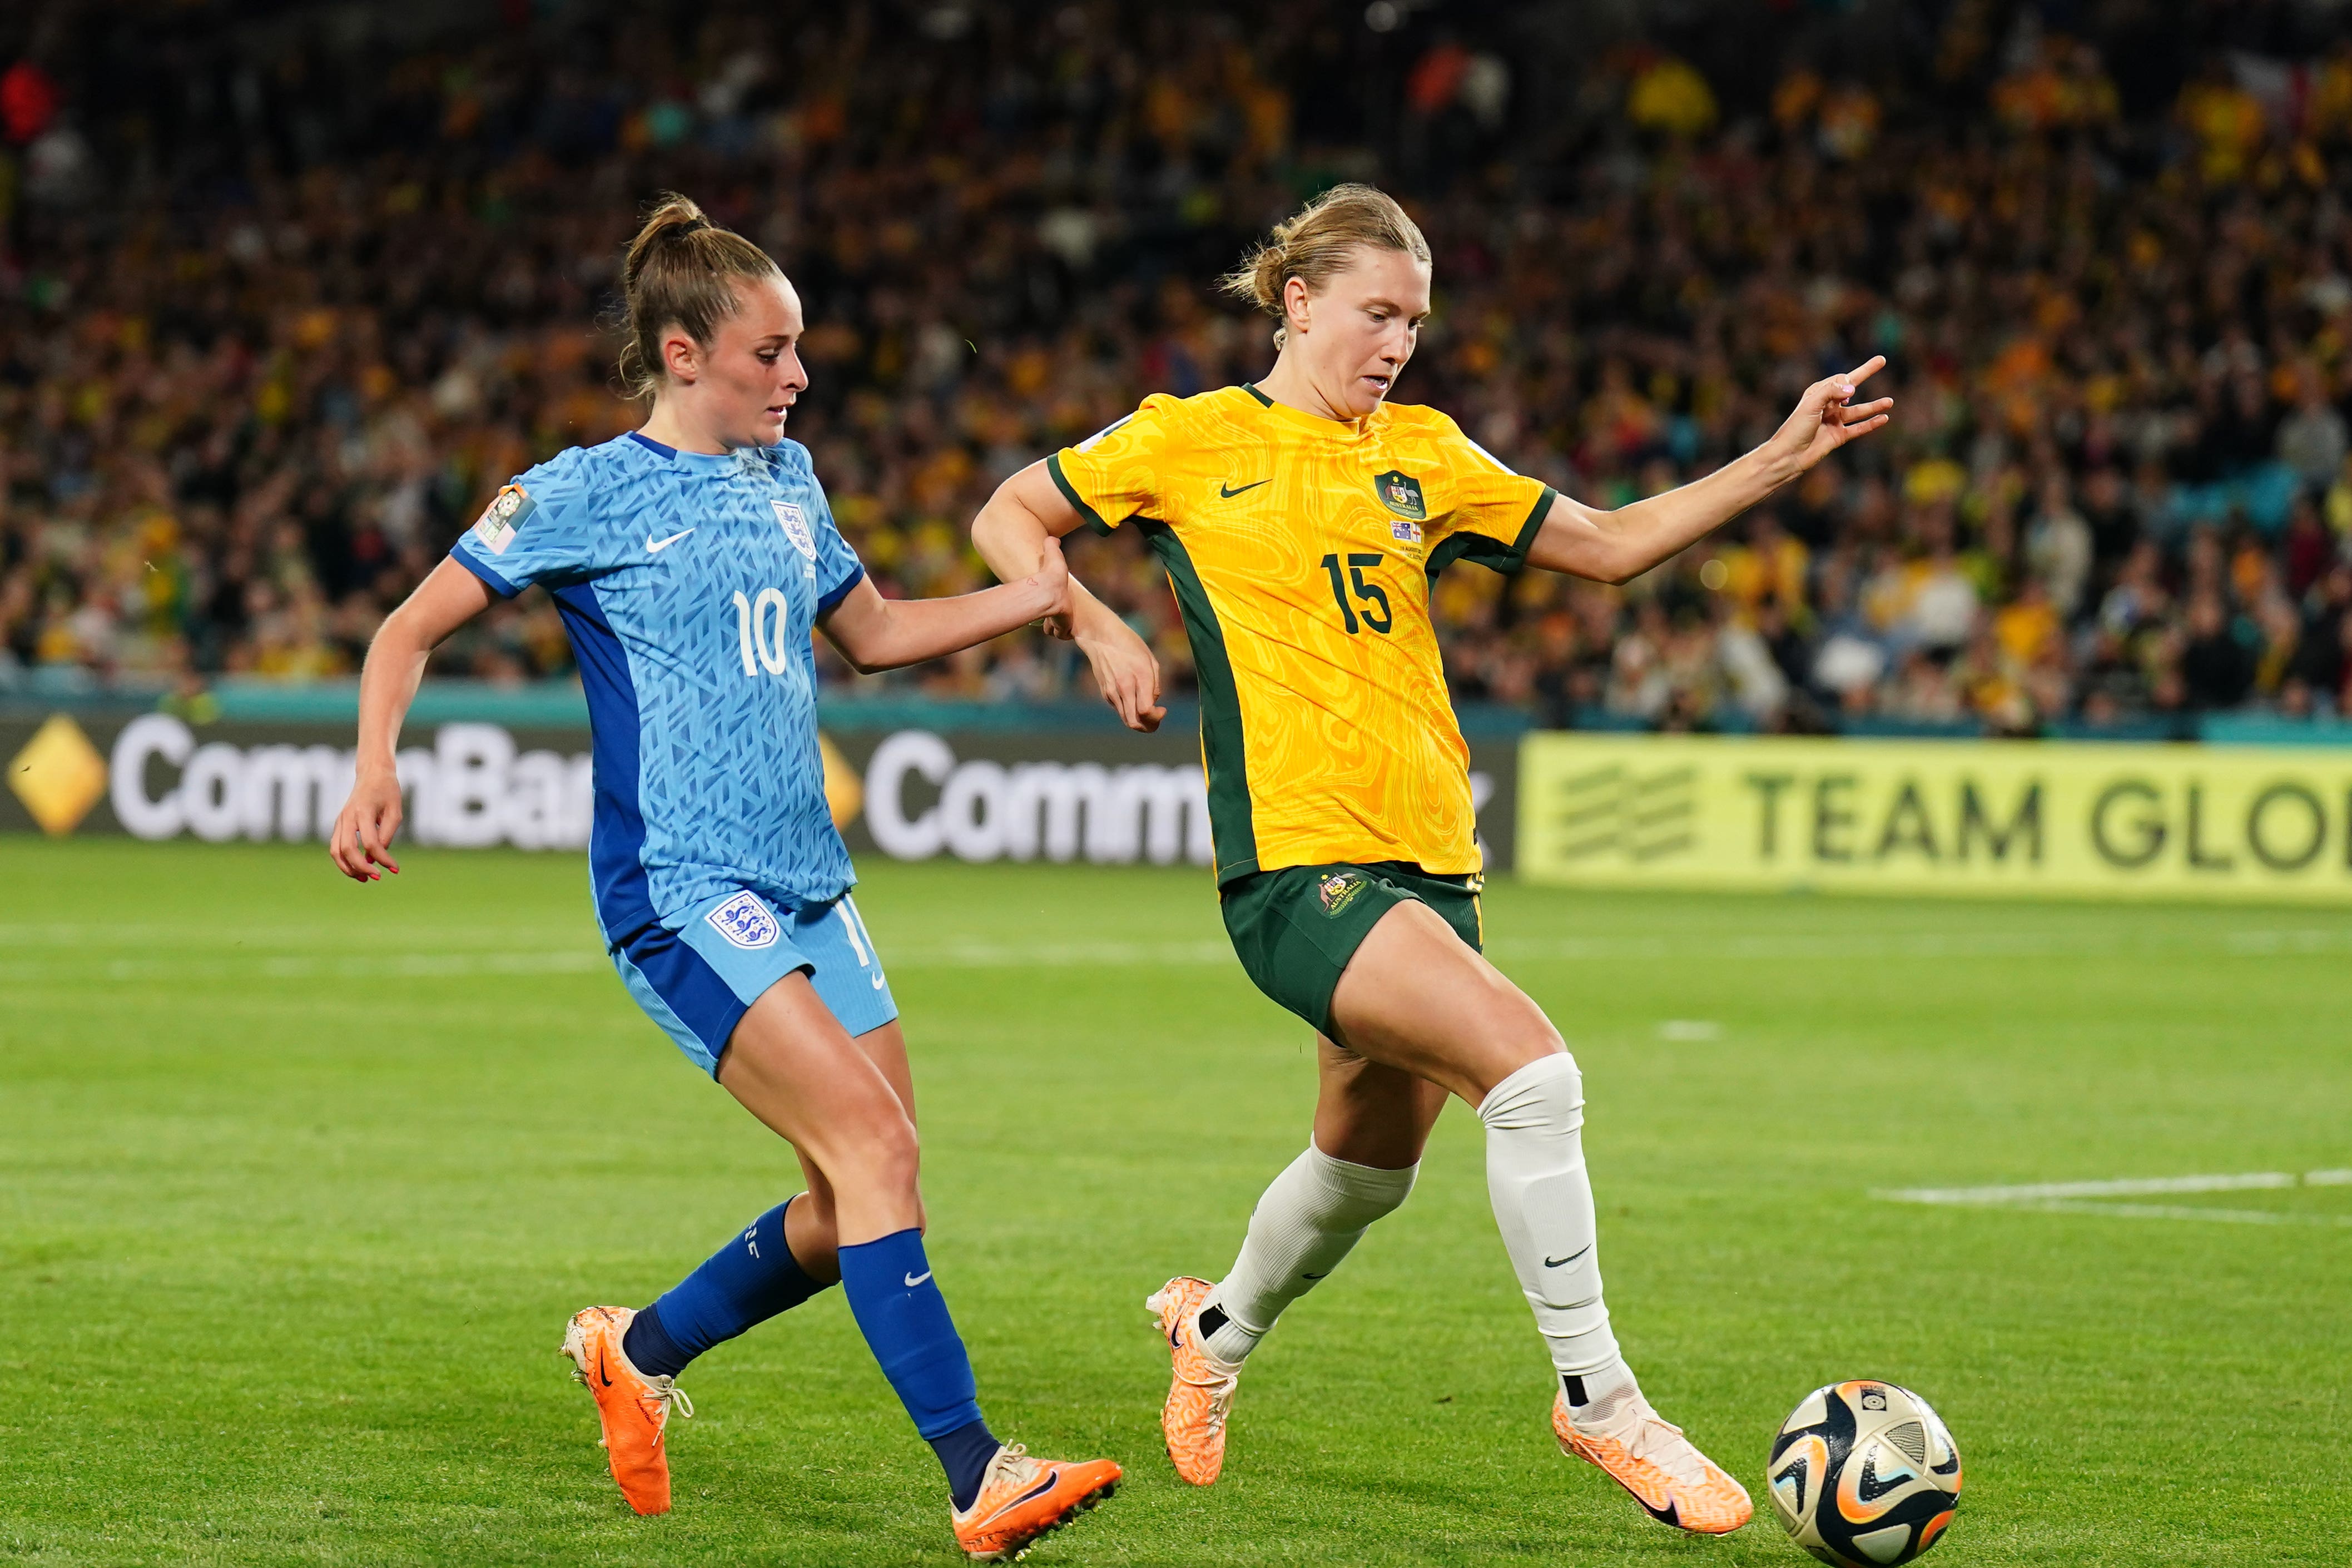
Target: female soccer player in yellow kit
[(1301, 521)]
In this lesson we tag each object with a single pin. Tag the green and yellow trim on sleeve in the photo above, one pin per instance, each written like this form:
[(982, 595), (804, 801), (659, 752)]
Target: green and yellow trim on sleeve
[(1494, 553), (1090, 519)]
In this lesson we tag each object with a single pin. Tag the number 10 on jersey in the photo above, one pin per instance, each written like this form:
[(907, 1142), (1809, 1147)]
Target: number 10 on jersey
[(759, 630), (1367, 593)]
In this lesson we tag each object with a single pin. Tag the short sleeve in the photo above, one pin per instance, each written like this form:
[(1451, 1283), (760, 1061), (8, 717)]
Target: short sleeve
[(838, 570), (539, 528), (1495, 513), (1114, 474)]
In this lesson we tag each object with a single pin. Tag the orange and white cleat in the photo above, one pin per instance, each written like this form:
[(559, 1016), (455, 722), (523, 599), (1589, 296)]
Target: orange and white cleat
[(1201, 1391), (1021, 1498), (633, 1408), (1649, 1456)]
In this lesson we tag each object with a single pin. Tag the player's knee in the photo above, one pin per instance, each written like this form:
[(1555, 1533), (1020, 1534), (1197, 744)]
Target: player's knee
[(1358, 1194), (1546, 1094), (877, 1153)]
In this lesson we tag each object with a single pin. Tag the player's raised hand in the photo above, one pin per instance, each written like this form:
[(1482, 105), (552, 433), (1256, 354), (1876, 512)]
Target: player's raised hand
[(361, 840), (1827, 417)]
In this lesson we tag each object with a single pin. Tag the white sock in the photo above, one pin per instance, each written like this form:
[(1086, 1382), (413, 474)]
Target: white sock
[(1543, 1203), (1305, 1222)]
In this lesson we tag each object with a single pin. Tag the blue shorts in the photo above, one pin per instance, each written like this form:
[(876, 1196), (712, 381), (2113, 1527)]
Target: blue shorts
[(696, 974)]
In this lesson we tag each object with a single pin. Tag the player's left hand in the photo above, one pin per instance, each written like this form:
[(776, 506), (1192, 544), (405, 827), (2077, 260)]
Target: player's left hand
[(1052, 579), (1827, 417)]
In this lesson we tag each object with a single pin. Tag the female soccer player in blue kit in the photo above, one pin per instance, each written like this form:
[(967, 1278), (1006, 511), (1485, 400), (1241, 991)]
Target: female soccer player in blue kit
[(691, 560)]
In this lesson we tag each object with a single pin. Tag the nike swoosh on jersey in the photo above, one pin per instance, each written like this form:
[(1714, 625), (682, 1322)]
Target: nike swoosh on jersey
[(656, 546), (914, 1279), (1251, 486)]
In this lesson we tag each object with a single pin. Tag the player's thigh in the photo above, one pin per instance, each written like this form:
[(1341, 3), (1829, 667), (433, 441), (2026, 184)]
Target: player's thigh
[(1417, 997), (1368, 1113), (792, 1065)]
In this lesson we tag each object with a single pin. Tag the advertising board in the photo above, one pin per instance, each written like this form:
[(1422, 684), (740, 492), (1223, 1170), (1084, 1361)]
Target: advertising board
[(1986, 817), (911, 793)]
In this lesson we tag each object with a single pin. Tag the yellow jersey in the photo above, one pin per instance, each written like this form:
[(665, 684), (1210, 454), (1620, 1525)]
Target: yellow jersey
[(1301, 552)]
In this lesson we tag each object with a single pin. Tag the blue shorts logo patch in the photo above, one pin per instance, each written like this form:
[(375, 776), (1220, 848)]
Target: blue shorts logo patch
[(744, 920)]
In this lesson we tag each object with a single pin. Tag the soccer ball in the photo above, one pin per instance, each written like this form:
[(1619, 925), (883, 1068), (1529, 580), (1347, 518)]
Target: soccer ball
[(1863, 1473)]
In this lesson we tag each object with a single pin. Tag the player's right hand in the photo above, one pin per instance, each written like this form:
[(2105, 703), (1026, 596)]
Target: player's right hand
[(1126, 670), (361, 840)]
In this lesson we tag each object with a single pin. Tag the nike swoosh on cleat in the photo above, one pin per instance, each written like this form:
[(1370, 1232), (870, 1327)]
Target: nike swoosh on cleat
[(1229, 495), (1312, 1277), (914, 1279), (600, 1370), (1563, 1262), (656, 546), (1053, 1479)]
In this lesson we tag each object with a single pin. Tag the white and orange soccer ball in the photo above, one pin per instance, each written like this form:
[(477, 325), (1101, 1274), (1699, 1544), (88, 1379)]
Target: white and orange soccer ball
[(1863, 1474)]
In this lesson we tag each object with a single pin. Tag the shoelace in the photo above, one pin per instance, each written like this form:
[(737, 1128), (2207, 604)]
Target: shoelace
[(1645, 1434), (1661, 1443), (667, 1390), (1220, 1385), (1014, 1464)]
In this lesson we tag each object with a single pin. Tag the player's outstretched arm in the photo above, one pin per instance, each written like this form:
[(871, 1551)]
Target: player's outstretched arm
[(446, 600), (1011, 532), (874, 633), (1619, 545)]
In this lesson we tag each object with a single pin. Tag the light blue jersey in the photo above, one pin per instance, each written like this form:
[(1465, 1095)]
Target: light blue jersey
[(689, 585)]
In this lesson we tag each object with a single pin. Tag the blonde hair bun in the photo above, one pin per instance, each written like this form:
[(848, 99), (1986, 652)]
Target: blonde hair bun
[(1318, 242)]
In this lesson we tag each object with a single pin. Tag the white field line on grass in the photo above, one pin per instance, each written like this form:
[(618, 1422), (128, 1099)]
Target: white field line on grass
[(175, 952), (2078, 1197)]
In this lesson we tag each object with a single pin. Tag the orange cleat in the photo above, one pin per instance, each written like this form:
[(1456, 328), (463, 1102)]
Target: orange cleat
[(1202, 1390), (1649, 1456), (1022, 1499), (633, 1408)]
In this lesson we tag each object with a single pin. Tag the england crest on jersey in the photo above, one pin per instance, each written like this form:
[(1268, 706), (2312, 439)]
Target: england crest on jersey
[(796, 528), (744, 920)]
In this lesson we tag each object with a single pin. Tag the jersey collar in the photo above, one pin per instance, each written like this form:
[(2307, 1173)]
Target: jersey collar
[(1344, 429), (705, 462)]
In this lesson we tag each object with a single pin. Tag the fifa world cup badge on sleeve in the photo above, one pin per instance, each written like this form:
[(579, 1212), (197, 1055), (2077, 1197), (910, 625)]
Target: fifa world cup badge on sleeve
[(796, 528), (503, 519), (744, 920)]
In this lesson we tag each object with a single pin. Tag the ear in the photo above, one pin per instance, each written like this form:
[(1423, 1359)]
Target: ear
[(681, 355), (1295, 310)]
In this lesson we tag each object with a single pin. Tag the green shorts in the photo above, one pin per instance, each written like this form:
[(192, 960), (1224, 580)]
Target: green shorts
[(1297, 927)]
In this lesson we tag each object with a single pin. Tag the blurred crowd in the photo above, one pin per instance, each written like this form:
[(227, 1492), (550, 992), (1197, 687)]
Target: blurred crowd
[(276, 317)]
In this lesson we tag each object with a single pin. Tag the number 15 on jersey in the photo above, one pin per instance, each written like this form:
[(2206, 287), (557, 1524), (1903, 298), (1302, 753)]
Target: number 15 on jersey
[(1366, 594)]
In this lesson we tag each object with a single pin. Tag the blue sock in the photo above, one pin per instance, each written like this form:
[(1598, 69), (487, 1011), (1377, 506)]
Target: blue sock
[(748, 1280), (905, 1321)]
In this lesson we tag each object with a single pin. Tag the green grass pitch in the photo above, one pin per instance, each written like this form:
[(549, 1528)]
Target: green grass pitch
[(299, 1182)]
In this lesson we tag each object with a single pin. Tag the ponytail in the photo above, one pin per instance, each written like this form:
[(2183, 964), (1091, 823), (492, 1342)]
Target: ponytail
[(680, 270)]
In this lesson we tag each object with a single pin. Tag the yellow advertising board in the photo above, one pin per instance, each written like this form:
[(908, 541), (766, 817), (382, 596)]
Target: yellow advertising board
[(1937, 817)]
